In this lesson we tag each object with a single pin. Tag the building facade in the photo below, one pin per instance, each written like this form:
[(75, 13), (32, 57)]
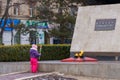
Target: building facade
[(20, 11)]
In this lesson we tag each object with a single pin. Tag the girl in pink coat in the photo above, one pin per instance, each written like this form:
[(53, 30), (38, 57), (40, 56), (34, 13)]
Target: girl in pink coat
[(34, 54)]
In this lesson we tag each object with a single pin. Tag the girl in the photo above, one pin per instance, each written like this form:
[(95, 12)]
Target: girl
[(34, 58)]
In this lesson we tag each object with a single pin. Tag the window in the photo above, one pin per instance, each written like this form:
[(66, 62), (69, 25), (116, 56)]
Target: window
[(16, 8), (31, 11)]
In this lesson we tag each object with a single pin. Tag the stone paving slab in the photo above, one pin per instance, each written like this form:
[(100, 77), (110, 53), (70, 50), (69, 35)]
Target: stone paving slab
[(24, 75), (17, 75)]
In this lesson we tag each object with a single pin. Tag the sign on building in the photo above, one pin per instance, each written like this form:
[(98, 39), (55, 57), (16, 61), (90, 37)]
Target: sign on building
[(37, 24)]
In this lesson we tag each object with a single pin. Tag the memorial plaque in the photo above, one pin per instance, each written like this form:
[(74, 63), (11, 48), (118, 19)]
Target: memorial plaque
[(105, 24)]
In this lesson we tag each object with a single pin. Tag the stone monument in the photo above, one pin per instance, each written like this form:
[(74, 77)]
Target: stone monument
[(97, 30)]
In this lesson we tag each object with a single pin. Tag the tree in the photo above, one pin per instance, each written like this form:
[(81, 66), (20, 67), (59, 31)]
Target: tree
[(99, 2), (4, 17), (108, 1), (20, 29), (65, 17)]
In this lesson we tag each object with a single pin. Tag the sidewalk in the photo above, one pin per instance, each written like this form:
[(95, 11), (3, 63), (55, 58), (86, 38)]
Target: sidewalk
[(13, 76), (20, 76)]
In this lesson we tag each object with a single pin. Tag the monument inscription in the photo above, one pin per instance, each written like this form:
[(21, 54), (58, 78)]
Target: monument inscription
[(105, 24)]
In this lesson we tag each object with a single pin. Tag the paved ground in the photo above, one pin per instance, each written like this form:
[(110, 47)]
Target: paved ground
[(20, 76), (17, 75)]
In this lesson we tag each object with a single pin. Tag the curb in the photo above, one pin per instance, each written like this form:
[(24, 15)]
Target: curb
[(13, 73)]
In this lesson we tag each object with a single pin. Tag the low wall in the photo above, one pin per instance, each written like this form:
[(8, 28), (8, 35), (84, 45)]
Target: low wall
[(102, 69), (108, 69), (11, 67)]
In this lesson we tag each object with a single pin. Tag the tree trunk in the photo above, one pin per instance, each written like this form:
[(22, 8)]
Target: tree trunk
[(62, 40), (4, 17), (12, 37), (1, 33)]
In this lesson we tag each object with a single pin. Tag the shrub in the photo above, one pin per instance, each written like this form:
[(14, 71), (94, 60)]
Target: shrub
[(21, 52)]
